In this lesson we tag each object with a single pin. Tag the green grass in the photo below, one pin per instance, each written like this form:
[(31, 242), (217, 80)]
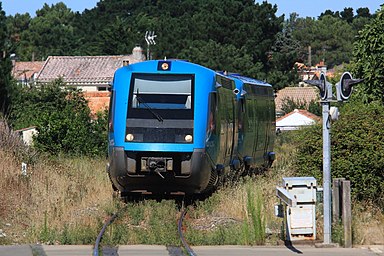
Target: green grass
[(66, 200)]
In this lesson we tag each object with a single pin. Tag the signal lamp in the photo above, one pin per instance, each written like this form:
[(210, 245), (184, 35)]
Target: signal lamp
[(345, 86)]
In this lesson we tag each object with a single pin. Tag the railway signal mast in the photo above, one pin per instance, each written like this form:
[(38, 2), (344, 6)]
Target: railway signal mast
[(150, 39), (343, 92)]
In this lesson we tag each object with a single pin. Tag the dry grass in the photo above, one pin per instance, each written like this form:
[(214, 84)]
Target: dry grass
[(69, 192), (57, 194), (64, 200), (231, 203), (367, 224)]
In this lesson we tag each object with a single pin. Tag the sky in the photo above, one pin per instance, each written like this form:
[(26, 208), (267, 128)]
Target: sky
[(311, 8)]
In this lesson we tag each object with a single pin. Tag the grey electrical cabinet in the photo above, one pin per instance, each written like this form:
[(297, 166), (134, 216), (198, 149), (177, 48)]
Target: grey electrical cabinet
[(301, 216)]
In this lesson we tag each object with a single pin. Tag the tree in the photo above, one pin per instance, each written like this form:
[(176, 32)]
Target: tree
[(221, 57), (51, 32), (16, 25), (369, 60), (330, 38), (235, 27), (330, 13), (285, 52), (288, 105), (62, 119), (363, 12), (5, 65), (347, 14)]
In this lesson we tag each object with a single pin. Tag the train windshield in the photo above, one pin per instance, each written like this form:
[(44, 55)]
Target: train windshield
[(162, 92), (169, 96)]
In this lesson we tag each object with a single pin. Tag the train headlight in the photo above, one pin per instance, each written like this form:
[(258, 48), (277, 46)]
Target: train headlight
[(188, 138), (129, 137)]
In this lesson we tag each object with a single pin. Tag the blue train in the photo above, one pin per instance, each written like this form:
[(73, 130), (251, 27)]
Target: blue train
[(178, 128)]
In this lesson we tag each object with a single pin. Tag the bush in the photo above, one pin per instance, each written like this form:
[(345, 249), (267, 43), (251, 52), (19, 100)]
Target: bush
[(289, 104), (357, 150), (368, 59), (62, 118)]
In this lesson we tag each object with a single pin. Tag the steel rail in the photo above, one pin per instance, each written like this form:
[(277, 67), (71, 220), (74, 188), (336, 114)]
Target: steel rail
[(184, 242), (98, 239)]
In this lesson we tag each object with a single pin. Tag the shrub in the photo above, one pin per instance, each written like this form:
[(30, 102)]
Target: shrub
[(368, 59), (290, 104), (62, 118), (357, 150)]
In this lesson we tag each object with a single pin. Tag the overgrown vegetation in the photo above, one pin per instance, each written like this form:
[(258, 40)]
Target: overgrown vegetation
[(234, 35), (289, 104), (65, 197), (357, 150), (62, 118), (369, 58), (65, 200), (356, 146)]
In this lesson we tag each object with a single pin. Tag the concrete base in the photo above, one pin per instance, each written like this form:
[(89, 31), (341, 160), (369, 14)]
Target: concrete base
[(330, 245)]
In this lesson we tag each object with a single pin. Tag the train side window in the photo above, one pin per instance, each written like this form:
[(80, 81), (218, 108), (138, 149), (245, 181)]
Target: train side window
[(242, 104), (111, 111), (212, 115)]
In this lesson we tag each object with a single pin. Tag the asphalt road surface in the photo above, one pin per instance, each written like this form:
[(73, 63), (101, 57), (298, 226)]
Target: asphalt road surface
[(159, 250)]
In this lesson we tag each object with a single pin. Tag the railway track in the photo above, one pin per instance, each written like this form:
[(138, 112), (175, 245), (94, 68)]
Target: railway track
[(181, 235), (106, 224), (108, 251)]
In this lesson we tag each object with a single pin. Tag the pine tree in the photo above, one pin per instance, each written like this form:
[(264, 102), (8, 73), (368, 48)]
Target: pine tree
[(5, 65)]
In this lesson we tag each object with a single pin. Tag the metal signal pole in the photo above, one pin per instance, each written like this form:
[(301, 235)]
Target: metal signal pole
[(326, 171), (343, 92), (326, 98)]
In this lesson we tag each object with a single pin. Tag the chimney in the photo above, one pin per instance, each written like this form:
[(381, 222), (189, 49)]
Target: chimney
[(125, 63)]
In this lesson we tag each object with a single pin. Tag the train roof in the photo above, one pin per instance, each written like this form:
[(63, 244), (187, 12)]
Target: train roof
[(183, 65), (249, 80), (244, 79)]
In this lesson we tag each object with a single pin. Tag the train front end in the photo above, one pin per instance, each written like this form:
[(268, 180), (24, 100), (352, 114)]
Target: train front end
[(158, 117)]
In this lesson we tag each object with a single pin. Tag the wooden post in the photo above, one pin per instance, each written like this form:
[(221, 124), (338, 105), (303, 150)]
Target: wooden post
[(346, 213), (336, 196), (335, 201)]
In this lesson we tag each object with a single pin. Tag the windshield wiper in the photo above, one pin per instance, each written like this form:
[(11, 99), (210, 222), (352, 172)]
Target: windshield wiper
[(157, 115)]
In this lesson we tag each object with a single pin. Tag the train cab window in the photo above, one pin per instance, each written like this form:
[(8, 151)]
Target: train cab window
[(161, 96), (162, 92)]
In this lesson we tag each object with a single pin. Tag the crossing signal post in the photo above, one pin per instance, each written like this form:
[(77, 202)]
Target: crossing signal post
[(343, 92), (345, 86)]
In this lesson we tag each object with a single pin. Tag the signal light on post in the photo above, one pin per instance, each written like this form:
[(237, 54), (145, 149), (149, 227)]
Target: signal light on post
[(345, 86), (324, 86)]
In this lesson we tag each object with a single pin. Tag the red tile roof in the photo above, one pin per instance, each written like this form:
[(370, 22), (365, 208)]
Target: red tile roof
[(302, 94), (302, 112), (82, 69), (24, 70)]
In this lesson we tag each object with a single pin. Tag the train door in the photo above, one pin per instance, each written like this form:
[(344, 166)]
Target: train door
[(261, 136), (111, 112), (226, 103), (213, 129), (246, 133), (265, 121), (270, 126)]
